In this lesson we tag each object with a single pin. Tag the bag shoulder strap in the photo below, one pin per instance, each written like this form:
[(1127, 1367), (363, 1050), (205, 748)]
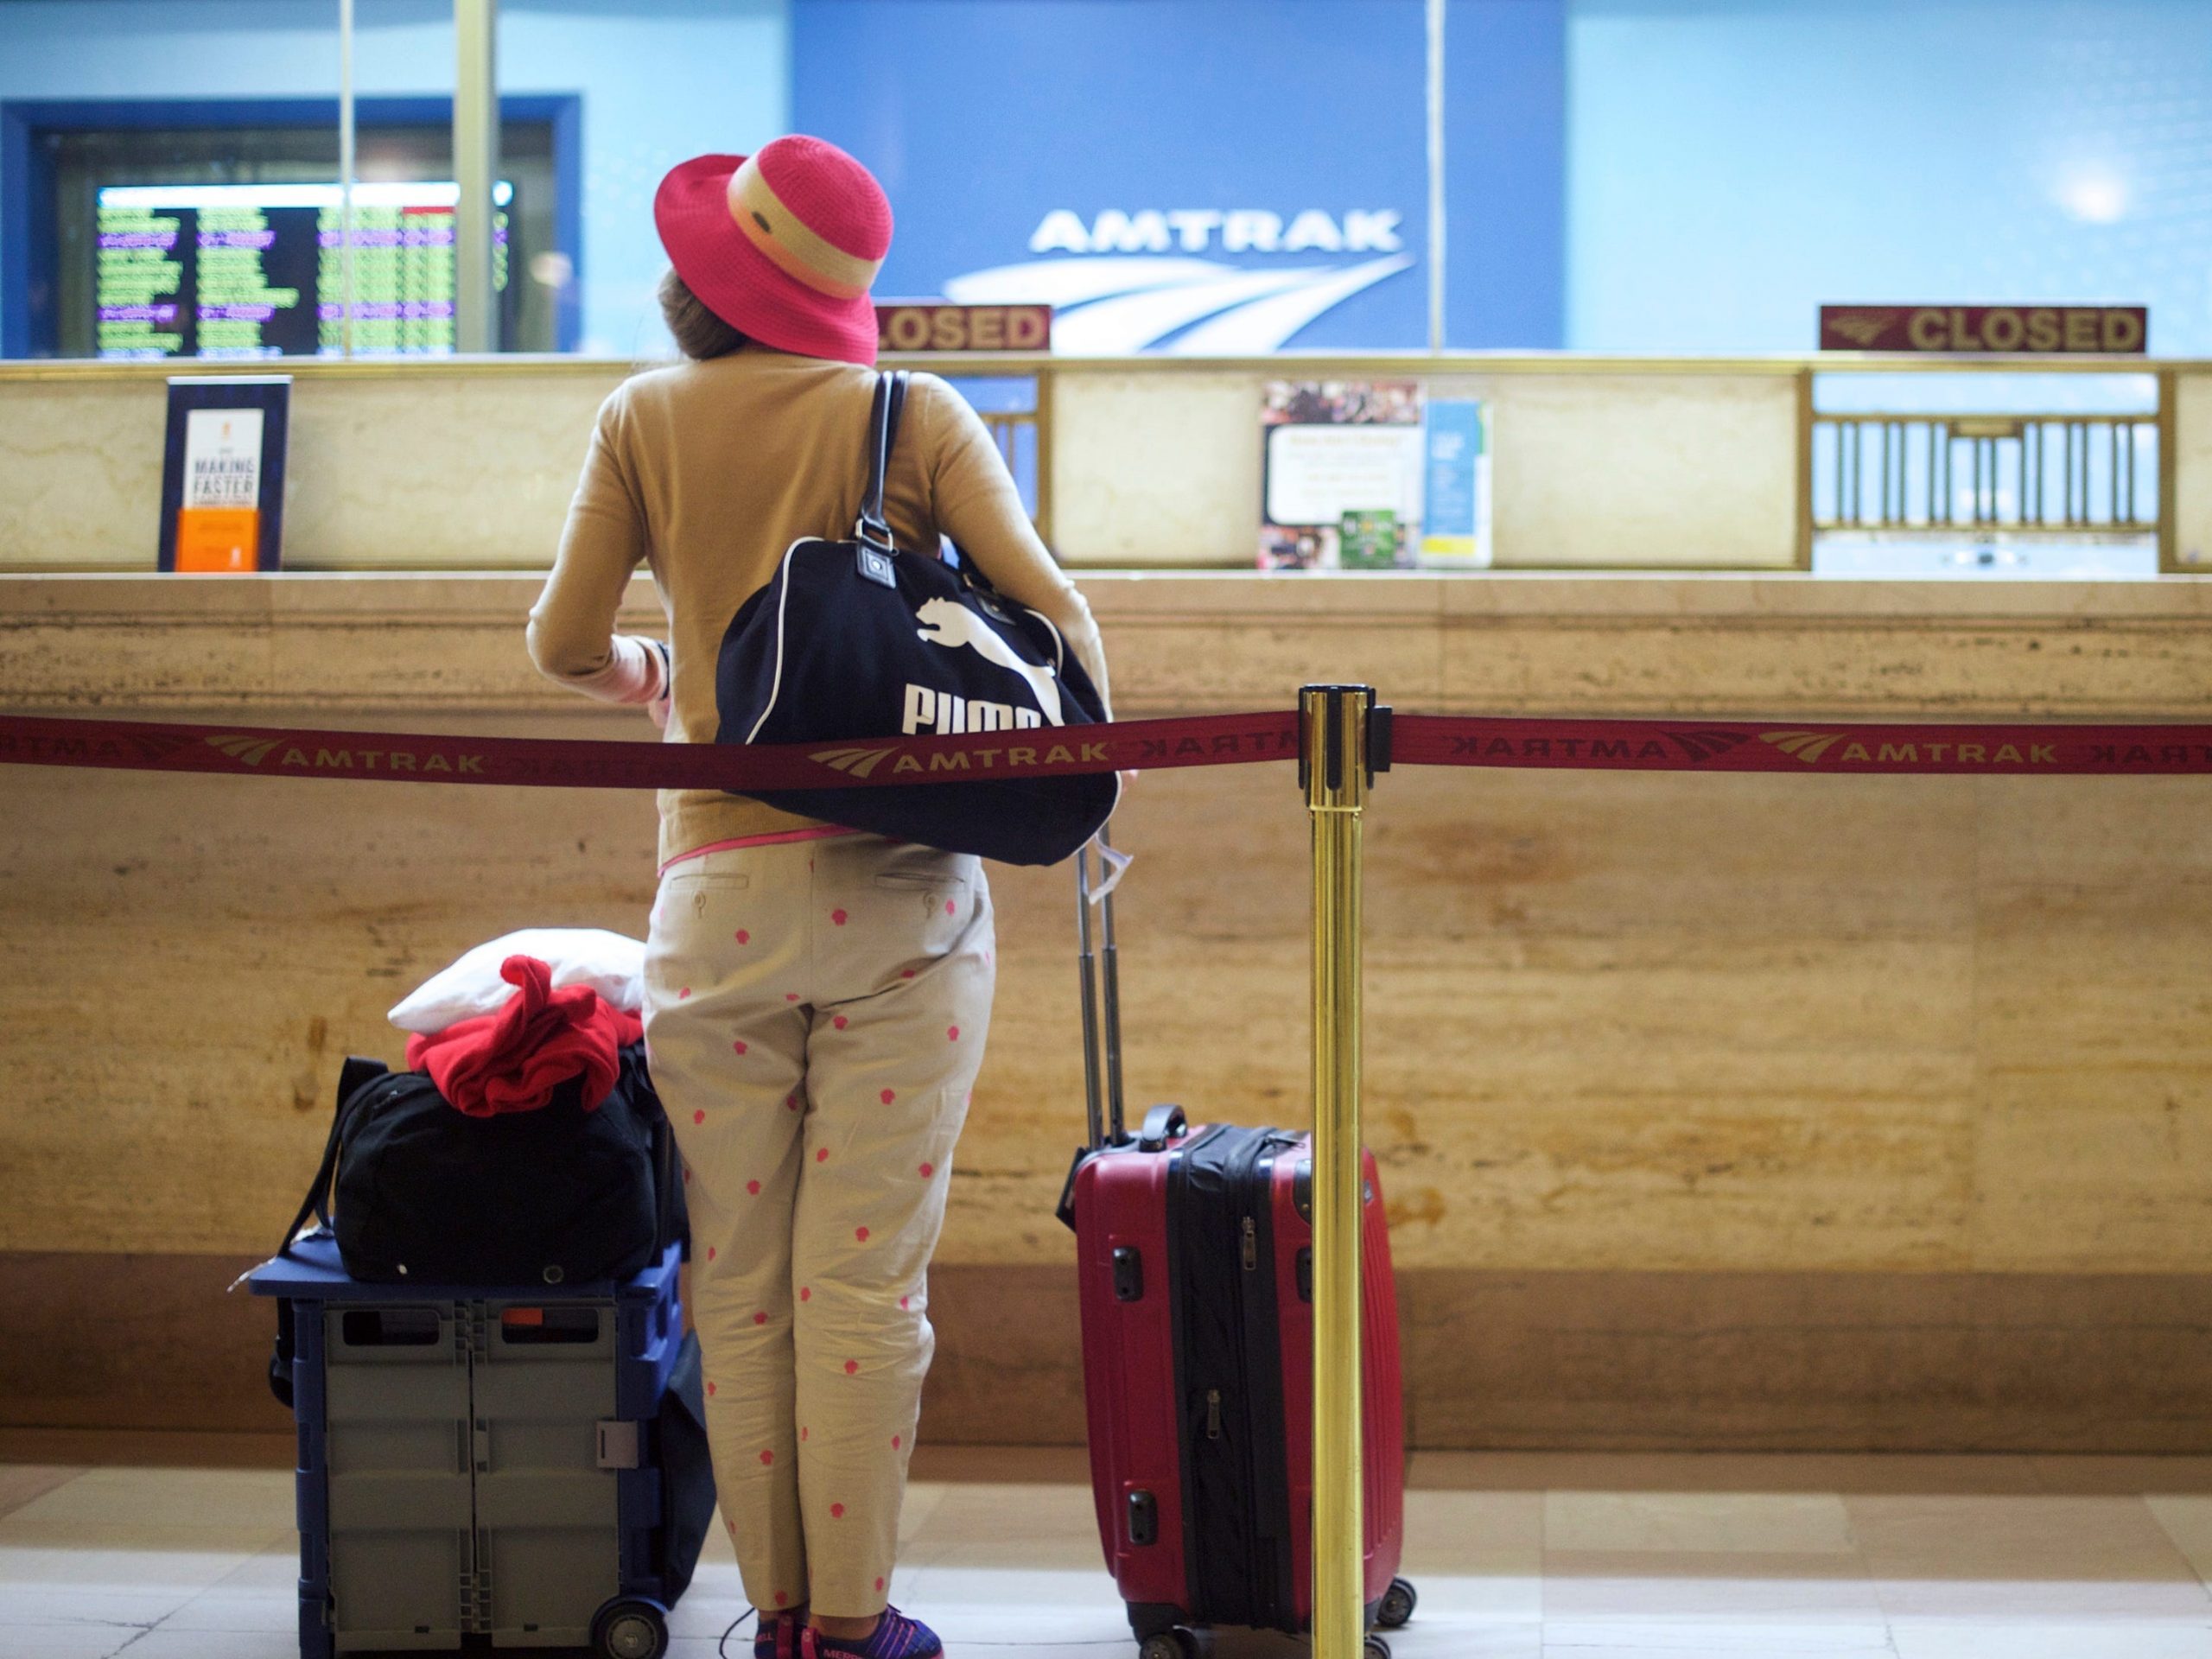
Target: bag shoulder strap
[(883, 437), (357, 1075)]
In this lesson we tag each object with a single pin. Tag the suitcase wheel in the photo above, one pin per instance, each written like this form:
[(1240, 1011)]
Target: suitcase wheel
[(1376, 1648), (630, 1628), (1398, 1604), (1170, 1644)]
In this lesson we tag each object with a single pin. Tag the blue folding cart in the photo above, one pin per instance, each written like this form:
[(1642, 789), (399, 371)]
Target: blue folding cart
[(521, 1464)]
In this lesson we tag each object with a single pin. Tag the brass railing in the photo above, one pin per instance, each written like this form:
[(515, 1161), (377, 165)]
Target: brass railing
[(2082, 477), (1006, 428), (2073, 474)]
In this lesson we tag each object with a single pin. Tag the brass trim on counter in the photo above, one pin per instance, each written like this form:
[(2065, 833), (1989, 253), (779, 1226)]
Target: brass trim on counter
[(976, 364)]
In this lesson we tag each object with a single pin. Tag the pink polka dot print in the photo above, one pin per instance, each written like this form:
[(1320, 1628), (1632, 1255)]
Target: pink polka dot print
[(744, 938), (710, 1388), (685, 992), (951, 909), (928, 1170), (837, 1511), (806, 1295), (903, 1300), (790, 996), (860, 1233), (837, 917), (879, 1584), (805, 1433), (737, 1047), (792, 1102), (753, 1187), (710, 1252), (822, 1155), (906, 973), (838, 1020), (782, 1598), (897, 1441), (759, 1319), (767, 1457), (953, 1034), (851, 1367), (699, 1117), (888, 1095)]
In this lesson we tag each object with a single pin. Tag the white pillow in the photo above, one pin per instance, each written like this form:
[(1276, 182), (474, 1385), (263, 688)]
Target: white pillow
[(610, 964)]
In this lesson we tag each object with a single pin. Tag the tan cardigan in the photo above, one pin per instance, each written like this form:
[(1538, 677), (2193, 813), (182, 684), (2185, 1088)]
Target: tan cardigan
[(709, 472)]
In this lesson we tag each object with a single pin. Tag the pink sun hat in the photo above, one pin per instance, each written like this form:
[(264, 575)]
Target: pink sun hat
[(781, 244)]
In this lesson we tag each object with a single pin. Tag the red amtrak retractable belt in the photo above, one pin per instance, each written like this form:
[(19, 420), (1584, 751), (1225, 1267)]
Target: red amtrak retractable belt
[(1800, 747), (559, 763), (1992, 749)]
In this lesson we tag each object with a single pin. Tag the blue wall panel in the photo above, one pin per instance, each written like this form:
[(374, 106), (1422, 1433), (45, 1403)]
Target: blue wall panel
[(1737, 162), (988, 119)]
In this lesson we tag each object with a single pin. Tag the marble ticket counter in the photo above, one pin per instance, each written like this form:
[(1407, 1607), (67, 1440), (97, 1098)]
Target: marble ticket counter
[(1714, 1110)]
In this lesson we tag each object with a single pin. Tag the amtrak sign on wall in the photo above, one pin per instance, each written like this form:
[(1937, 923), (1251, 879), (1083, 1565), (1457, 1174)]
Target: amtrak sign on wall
[(1128, 281)]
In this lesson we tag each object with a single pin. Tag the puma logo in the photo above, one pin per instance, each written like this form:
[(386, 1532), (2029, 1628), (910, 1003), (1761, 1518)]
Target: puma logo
[(952, 626)]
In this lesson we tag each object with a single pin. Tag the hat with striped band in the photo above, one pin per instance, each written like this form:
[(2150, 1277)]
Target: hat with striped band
[(781, 244)]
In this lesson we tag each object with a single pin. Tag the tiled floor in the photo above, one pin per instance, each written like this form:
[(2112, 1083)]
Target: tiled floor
[(1517, 1556)]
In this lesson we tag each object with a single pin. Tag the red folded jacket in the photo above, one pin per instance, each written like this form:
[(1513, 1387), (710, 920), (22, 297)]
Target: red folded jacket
[(512, 1061)]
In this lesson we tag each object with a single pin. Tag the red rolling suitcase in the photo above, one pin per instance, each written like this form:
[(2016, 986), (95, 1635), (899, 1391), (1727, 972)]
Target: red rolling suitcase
[(1195, 1257)]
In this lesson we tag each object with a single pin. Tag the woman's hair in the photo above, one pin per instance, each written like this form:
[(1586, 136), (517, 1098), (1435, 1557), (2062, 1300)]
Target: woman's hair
[(699, 333)]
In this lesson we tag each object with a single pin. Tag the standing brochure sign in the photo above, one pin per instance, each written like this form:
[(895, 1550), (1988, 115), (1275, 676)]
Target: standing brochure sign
[(222, 474), (1455, 492)]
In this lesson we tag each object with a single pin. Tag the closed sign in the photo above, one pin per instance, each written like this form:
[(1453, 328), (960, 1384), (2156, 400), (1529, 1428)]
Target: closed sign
[(2041, 329), (930, 325)]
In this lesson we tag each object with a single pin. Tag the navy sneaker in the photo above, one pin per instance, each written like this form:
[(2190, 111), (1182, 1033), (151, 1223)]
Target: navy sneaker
[(897, 1637)]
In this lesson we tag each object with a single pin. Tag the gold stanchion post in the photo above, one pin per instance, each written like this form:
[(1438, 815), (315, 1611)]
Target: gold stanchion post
[(1334, 763)]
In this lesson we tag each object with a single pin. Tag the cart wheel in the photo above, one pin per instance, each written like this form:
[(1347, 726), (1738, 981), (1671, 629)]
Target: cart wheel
[(1172, 1644), (630, 1628), (1376, 1648), (1398, 1604)]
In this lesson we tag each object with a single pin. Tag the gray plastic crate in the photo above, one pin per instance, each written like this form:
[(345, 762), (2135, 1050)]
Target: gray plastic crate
[(467, 1492), (396, 1412), (485, 1466)]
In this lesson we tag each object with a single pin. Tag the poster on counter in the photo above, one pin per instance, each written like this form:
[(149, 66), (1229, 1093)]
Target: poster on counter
[(1341, 460), (1371, 475), (222, 474), (1456, 485)]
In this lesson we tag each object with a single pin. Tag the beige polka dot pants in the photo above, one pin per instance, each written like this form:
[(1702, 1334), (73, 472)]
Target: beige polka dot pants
[(815, 1013)]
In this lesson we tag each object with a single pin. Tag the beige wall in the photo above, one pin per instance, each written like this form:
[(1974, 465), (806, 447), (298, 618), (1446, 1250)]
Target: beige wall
[(1155, 463), (1713, 1111), (1619, 1022), (1162, 466)]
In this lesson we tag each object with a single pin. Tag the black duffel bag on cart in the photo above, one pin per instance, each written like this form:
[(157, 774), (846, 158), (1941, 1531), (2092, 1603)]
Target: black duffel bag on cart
[(856, 641), (414, 1189)]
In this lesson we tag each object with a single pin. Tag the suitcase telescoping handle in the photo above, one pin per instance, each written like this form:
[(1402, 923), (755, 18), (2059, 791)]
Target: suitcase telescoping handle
[(1101, 987)]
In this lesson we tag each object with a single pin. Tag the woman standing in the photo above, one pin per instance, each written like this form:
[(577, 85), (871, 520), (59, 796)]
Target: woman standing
[(817, 999)]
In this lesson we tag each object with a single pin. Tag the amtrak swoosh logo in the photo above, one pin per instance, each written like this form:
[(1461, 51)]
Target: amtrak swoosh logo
[(1808, 746), (858, 762), (252, 750), (1111, 304)]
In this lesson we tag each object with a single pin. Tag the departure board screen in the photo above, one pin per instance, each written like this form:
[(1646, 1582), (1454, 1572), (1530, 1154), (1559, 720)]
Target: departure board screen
[(252, 270)]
